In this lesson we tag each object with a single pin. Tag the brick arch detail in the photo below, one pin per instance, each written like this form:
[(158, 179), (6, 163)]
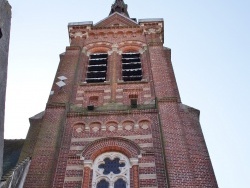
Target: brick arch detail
[(112, 121), (95, 122), (78, 123), (122, 145), (144, 119), (128, 120), (133, 43), (97, 47), (132, 46)]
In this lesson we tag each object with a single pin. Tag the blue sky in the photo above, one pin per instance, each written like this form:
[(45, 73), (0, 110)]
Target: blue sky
[(210, 42)]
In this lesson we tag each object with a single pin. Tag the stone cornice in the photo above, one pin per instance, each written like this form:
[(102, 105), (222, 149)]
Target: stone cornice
[(99, 113)]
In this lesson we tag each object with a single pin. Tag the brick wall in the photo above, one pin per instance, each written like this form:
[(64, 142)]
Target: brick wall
[(160, 137)]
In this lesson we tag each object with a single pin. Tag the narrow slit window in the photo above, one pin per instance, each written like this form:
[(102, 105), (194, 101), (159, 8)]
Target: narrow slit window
[(131, 67), (97, 68)]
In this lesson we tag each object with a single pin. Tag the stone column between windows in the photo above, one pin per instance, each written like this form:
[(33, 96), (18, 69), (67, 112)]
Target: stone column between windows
[(87, 173), (135, 171)]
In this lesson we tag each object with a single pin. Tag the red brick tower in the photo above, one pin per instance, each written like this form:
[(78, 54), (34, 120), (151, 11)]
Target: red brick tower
[(115, 118)]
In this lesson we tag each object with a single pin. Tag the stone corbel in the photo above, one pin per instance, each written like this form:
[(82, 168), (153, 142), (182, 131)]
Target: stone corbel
[(134, 161), (88, 163)]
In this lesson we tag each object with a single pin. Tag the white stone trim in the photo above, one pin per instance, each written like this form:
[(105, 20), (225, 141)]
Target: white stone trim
[(147, 176), (107, 97), (80, 92), (119, 96), (79, 98), (72, 179), (107, 91), (146, 145), (78, 148), (134, 161), (133, 137), (146, 89), (146, 165), (88, 163), (75, 167), (111, 177)]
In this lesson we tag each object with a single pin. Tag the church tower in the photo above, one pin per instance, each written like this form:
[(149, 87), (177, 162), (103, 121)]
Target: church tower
[(114, 118)]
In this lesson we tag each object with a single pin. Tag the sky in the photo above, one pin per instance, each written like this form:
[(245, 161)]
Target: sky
[(210, 42)]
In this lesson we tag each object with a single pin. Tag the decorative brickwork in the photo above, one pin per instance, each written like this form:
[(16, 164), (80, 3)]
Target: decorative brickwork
[(110, 144), (132, 109)]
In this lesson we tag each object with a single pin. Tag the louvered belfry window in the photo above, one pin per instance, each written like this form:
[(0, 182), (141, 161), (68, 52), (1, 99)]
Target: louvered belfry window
[(131, 67), (97, 68)]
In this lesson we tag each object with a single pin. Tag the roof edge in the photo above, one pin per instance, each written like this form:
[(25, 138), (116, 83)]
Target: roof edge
[(151, 20), (114, 14), (80, 23)]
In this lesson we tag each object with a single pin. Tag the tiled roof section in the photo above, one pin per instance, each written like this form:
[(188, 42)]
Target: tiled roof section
[(12, 150)]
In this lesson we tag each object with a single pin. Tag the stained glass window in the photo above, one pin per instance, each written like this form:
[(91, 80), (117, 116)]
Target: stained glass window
[(103, 184), (120, 183), (111, 170), (111, 166)]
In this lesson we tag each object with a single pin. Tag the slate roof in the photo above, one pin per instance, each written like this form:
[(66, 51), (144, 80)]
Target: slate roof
[(12, 151)]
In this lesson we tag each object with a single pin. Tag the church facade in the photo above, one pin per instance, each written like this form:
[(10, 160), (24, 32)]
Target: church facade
[(114, 118)]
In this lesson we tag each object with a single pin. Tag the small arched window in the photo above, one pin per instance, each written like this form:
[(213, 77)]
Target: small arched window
[(111, 170)]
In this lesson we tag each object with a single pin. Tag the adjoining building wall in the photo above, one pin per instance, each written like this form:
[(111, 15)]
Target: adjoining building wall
[(5, 19)]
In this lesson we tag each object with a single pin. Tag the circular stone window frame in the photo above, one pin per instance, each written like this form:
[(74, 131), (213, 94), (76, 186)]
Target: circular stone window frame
[(111, 177)]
